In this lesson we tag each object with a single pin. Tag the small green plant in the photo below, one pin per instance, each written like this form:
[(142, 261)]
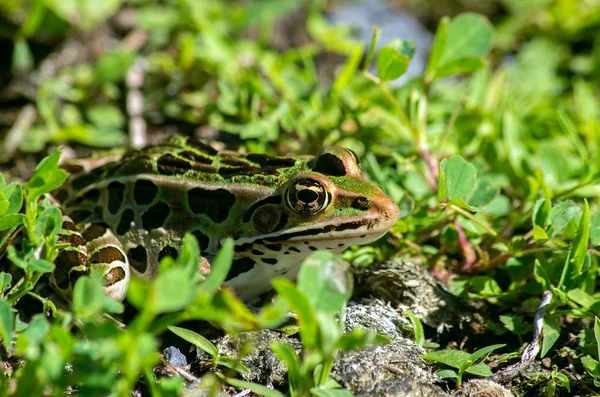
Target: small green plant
[(592, 365), (464, 362)]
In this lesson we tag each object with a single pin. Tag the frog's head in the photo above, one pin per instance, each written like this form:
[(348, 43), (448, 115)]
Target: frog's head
[(326, 205)]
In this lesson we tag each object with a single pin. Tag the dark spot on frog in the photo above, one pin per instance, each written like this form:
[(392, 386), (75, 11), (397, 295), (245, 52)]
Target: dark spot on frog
[(239, 266), (273, 247), (310, 247), (167, 251), (62, 195), (60, 276), (94, 231), (330, 164), (115, 275), (171, 165), (265, 160), (125, 221), (144, 191), (294, 249), (156, 216), (269, 261), (107, 255), (201, 146), (197, 157), (216, 204), (235, 161), (257, 252), (80, 215), (203, 239), (68, 225), (116, 191), (136, 166), (138, 258), (87, 179), (74, 240)]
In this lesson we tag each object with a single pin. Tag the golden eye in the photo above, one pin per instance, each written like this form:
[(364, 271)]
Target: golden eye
[(307, 197)]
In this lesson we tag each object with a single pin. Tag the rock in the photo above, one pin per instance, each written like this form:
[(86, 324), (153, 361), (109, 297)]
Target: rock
[(409, 286), (174, 356)]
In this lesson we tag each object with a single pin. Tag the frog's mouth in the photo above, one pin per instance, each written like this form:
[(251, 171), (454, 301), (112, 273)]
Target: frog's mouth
[(362, 231)]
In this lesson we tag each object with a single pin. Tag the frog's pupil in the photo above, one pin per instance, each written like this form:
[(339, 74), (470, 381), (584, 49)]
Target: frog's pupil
[(307, 196)]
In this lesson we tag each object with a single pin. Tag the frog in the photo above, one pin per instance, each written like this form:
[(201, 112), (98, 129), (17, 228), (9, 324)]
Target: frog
[(123, 215)]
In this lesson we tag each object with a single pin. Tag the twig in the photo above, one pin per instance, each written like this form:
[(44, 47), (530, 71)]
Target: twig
[(18, 132), (135, 103), (531, 351)]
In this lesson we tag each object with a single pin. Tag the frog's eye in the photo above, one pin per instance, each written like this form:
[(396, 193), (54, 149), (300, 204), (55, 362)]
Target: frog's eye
[(307, 197)]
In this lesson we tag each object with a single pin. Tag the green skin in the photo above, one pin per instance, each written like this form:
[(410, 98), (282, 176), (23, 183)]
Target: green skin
[(124, 216)]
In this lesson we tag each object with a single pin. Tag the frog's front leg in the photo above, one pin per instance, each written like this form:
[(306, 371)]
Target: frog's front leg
[(95, 249)]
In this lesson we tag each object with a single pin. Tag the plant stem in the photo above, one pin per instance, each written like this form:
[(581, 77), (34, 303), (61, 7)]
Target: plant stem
[(470, 216)]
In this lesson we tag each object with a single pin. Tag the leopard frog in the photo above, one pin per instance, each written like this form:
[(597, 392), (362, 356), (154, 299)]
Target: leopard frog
[(123, 216)]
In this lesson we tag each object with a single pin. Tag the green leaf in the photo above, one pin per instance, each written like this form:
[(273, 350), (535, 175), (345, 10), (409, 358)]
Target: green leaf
[(11, 220), (196, 339), (553, 163), (113, 66), (485, 351), (578, 253), (42, 266), (219, 268), (391, 63), (309, 329), (539, 234), (564, 217), (483, 194), (106, 116), (289, 358), (479, 370), (330, 392), (14, 195), (173, 290), (541, 213), (325, 280), (469, 35), (254, 387), (595, 230), (22, 58), (359, 338), (7, 323), (439, 45), (417, 328), (3, 204), (460, 178), (49, 222), (349, 70), (5, 282), (84, 14), (451, 358), (597, 333), (550, 333), (89, 300), (447, 374), (442, 194), (591, 366), (46, 176), (459, 66), (372, 46)]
